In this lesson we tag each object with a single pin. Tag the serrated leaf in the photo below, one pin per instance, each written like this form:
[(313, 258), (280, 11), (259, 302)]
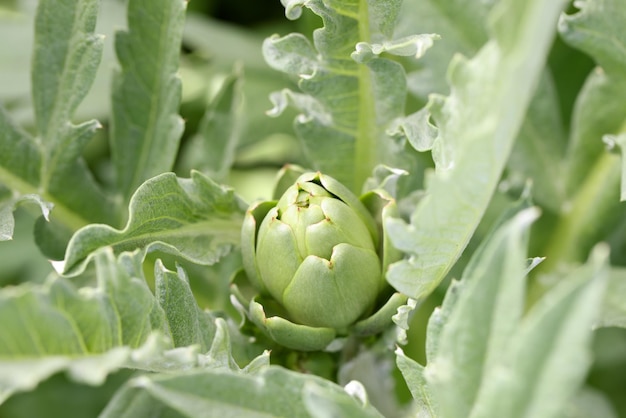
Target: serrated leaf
[(349, 97), (89, 332), (462, 33), (66, 57), (8, 203), (477, 124), (484, 316), (273, 392), (21, 157), (187, 323), (67, 54), (19, 172), (93, 331), (193, 218), (413, 374), (146, 127), (597, 29), (546, 361)]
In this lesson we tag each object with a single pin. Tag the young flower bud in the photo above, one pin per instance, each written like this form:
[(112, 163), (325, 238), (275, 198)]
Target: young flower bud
[(318, 252)]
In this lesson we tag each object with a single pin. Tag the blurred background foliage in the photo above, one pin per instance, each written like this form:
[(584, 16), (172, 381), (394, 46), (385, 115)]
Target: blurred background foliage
[(222, 43)]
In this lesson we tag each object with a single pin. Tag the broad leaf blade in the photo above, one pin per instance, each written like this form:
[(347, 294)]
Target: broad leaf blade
[(187, 323), (20, 173), (461, 33), (539, 149), (613, 312), (212, 149), (477, 125), (273, 392), (146, 127), (483, 318), (547, 359), (350, 94), (66, 57), (94, 331), (67, 54), (20, 168), (596, 30), (89, 332), (194, 218), (413, 374)]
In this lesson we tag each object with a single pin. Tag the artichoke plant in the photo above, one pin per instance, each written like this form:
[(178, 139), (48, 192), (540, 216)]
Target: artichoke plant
[(318, 257)]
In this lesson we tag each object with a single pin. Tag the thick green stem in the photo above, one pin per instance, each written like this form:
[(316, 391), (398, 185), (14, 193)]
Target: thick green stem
[(366, 141), (589, 216)]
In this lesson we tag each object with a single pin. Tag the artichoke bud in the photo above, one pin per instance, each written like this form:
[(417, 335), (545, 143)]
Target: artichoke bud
[(316, 252)]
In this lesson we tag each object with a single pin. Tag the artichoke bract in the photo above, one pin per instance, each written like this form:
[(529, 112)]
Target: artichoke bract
[(318, 253)]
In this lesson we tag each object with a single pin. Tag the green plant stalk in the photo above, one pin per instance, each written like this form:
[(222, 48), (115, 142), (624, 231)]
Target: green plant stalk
[(61, 213), (366, 147), (594, 205)]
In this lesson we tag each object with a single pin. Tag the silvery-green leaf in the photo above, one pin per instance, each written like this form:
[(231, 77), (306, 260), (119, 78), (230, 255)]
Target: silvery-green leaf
[(194, 218), (545, 362), (272, 392), (212, 149), (413, 374), (613, 312), (477, 126), (187, 323), (66, 56), (90, 332), (484, 316), (146, 127), (596, 29), (589, 402), (348, 100)]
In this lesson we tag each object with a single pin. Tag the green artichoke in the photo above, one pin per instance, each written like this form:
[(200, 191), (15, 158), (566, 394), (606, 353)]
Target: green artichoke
[(318, 253)]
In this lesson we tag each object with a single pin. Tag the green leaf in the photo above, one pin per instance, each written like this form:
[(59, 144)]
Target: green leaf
[(273, 392), (597, 29), (212, 149), (19, 173), (462, 33), (192, 218), (413, 374), (146, 127), (477, 125), (350, 96), (67, 54), (93, 331), (187, 323), (614, 307), (483, 318), (590, 402), (322, 403), (20, 170), (89, 332), (545, 362), (66, 57), (539, 149)]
